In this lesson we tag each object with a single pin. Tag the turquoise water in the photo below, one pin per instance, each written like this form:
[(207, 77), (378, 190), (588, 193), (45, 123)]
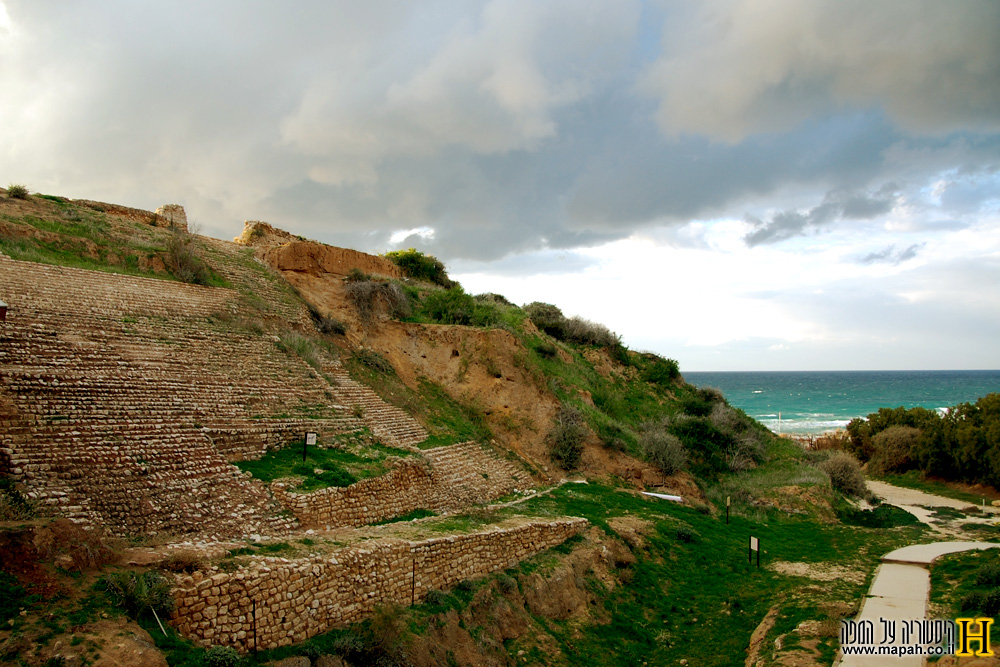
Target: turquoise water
[(811, 402)]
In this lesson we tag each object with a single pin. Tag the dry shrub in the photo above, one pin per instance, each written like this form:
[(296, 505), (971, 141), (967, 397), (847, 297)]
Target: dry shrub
[(139, 593), (892, 449), (184, 262), (845, 474), (17, 191), (580, 330), (566, 437), (662, 448), (14, 505), (184, 560), (371, 296), (87, 549), (830, 441)]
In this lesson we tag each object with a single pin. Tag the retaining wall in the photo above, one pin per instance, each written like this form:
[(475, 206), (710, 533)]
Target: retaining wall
[(450, 478), (297, 599)]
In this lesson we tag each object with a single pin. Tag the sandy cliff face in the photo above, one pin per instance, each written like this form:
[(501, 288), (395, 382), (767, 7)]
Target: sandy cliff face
[(482, 367)]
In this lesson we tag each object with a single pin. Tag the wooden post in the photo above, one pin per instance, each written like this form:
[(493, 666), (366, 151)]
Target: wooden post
[(727, 510)]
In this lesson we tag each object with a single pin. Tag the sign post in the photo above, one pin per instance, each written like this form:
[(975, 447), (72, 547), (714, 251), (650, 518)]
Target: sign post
[(310, 439), (754, 546), (727, 510)]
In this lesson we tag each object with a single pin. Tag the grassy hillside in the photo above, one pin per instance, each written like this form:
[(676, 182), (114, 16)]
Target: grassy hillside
[(654, 581)]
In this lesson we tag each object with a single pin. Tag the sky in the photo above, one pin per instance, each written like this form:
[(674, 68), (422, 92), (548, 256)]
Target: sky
[(738, 185)]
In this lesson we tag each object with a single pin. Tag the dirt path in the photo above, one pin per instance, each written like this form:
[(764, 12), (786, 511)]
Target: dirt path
[(921, 505)]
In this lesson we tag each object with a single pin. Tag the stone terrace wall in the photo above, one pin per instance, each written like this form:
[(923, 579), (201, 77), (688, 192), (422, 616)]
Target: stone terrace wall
[(297, 599), (452, 477), (122, 402)]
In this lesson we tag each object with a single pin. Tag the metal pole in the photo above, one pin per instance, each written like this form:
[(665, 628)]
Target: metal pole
[(758, 554), (254, 626)]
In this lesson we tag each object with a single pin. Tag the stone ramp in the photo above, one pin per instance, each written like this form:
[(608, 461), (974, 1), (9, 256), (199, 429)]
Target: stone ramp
[(445, 479)]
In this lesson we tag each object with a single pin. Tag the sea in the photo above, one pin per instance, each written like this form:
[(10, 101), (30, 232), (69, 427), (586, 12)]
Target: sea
[(815, 402)]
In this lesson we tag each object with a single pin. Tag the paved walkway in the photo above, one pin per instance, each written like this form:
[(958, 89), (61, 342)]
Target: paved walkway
[(900, 589)]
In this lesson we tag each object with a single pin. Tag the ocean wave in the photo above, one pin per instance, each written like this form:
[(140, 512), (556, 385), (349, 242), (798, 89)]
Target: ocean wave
[(804, 426)]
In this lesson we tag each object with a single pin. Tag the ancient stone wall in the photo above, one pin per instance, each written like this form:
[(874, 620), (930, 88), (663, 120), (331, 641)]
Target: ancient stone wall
[(297, 599), (173, 216), (122, 406), (450, 478)]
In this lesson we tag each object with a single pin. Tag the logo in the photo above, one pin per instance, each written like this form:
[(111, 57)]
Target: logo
[(962, 637), (973, 632)]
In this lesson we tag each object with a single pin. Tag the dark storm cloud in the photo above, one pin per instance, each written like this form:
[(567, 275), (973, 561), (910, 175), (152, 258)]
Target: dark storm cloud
[(890, 255), (835, 206), (506, 126)]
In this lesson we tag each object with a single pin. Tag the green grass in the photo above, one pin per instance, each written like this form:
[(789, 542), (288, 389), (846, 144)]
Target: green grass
[(447, 420), (340, 467), (79, 237), (409, 516), (914, 479), (954, 580), (701, 600)]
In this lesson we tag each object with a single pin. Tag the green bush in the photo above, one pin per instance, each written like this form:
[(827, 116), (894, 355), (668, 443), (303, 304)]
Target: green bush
[(845, 474), (13, 597), (566, 438), (356, 275), (547, 318), (987, 602), (660, 371), (139, 594), (301, 346), (547, 350), (892, 448), (686, 534), (450, 306), (221, 656), (495, 299), (988, 575), (455, 306), (17, 191), (184, 262), (416, 264), (374, 361)]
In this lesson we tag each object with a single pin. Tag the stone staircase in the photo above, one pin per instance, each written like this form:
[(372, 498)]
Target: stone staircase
[(124, 400)]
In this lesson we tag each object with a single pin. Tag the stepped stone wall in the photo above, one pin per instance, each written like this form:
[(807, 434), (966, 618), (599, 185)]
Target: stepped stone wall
[(122, 404), (450, 478), (124, 400), (297, 599)]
